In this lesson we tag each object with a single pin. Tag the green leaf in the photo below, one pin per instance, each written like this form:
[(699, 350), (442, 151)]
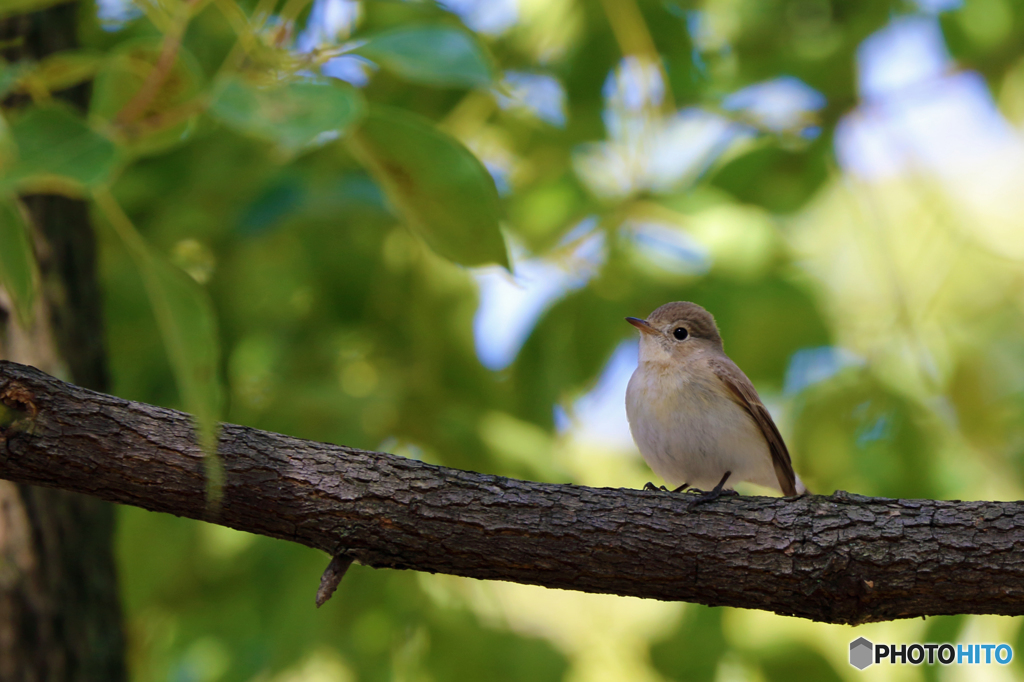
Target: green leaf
[(17, 261), (296, 115), (188, 327), (165, 120), (10, 76), (441, 188), (65, 69), (10, 7), (8, 152), (431, 55), (57, 151)]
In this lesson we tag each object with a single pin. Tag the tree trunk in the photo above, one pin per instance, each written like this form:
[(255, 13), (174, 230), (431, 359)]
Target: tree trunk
[(60, 616)]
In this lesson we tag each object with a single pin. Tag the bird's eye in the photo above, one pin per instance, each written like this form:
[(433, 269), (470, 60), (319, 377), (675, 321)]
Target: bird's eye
[(680, 333)]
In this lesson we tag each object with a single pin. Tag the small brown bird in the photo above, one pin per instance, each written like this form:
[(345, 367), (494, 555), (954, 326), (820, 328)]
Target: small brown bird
[(694, 414)]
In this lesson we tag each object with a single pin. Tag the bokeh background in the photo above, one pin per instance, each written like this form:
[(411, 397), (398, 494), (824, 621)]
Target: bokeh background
[(840, 183)]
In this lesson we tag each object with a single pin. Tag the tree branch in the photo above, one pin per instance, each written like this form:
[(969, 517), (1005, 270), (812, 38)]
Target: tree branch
[(838, 559)]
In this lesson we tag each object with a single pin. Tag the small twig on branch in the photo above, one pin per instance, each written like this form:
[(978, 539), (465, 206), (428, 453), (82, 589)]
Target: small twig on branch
[(332, 576), (839, 559)]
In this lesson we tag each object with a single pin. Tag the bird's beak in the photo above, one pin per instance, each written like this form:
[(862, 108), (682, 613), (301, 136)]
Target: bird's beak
[(642, 325)]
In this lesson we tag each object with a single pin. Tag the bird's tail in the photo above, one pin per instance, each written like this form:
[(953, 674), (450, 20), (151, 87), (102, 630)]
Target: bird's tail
[(801, 489)]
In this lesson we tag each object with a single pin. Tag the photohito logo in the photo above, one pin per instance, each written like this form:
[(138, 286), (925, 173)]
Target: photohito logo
[(863, 653)]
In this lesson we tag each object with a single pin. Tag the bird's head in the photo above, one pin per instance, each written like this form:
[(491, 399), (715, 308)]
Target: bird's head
[(675, 332)]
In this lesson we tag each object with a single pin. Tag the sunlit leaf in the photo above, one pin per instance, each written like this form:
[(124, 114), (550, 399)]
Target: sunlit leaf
[(17, 261), (57, 150), (65, 69), (11, 7), (152, 121), (296, 116), (188, 327), (432, 55), (441, 188)]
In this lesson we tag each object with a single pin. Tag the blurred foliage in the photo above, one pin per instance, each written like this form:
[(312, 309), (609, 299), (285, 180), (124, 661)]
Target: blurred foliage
[(18, 272), (297, 202)]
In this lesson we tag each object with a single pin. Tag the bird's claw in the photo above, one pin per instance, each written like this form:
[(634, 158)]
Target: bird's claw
[(716, 493), (709, 496), (702, 497), (651, 486)]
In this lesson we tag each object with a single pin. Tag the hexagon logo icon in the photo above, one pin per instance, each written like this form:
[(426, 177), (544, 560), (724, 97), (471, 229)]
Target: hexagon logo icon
[(861, 653)]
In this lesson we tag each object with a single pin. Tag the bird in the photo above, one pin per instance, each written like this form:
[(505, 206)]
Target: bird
[(694, 414)]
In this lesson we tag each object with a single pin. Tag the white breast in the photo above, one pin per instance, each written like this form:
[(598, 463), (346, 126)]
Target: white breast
[(689, 430)]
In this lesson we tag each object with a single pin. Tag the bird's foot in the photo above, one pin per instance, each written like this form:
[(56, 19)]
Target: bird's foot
[(651, 486), (702, 497)]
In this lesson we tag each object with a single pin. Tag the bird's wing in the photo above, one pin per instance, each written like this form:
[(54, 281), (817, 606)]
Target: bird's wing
[(746, 396)]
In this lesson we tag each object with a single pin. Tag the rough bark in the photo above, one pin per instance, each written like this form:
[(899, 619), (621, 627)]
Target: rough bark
[(839, 559), (60, 616)]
